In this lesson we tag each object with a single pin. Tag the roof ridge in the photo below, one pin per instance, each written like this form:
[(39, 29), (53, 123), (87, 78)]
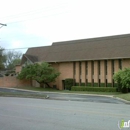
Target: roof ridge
[(91, 39)]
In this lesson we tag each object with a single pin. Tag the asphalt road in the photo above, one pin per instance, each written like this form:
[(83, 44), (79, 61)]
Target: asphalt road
[(44, 114), (69, 97)]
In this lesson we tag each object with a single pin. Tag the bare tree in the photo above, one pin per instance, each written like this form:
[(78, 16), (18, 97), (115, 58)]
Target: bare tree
[(2, 59), (12, 58)]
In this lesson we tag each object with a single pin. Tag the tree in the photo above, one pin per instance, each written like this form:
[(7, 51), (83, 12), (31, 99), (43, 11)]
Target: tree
[(122, 77), (2, 58), (43, 73), (12, 58)]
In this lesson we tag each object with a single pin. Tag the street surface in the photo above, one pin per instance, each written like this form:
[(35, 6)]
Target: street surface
[(46, 114)]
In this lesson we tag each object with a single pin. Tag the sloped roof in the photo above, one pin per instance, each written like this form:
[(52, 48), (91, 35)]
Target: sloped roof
[(112, 47)]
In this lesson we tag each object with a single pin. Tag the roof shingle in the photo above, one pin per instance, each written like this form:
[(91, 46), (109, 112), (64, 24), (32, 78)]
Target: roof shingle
[(112, 47)]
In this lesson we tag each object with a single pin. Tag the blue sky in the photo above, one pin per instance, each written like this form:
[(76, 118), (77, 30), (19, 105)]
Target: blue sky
[(41, 22)]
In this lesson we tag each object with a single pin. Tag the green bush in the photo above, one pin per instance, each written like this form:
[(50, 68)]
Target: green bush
[(69, 83), (122, 77), (6, 74), (94, 89)]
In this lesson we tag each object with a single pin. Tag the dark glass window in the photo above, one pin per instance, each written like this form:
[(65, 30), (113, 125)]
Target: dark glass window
[(74, 68), (120, 64)]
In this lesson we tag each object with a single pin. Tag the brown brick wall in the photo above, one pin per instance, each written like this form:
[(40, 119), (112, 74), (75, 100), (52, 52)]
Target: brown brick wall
[(83, 75), (12, 81), (77, 76), (125, 63), (18, 68), (116, 65), (66, 71)]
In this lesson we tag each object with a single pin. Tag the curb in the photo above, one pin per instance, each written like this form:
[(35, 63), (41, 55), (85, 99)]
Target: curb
[(125, 101)]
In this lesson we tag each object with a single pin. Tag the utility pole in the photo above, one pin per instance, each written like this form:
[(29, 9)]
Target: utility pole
[(2, 25)]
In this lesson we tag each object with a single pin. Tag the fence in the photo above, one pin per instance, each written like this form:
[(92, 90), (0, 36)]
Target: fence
[(12, 81)]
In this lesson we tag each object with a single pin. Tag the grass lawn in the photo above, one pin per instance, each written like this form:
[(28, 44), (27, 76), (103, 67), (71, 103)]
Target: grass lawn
[(115, 94), (125, 96), (66, 91), (25, 95)]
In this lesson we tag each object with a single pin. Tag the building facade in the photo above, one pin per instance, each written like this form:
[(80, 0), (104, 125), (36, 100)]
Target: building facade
[(90, 62)]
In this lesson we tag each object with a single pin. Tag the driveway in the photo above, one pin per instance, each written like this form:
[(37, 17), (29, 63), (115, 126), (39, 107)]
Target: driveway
[(69, 97)]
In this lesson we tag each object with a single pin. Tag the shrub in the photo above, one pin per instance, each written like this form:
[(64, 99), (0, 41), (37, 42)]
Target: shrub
[(122, 77), (94, 89), (69, 83), (6, 74)]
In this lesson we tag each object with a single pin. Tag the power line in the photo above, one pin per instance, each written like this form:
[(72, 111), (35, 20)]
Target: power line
[(33, 14), (36, 18), (35, 11), (17, 48)]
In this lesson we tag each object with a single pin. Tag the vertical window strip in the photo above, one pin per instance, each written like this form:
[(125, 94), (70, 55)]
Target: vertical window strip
[(120, 64), (92, 65), (113, 68)]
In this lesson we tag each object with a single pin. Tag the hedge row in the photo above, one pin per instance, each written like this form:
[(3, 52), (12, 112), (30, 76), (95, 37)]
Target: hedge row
[(95, 89)]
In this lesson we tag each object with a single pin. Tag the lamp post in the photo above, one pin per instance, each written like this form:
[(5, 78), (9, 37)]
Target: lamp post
[(2, 25)]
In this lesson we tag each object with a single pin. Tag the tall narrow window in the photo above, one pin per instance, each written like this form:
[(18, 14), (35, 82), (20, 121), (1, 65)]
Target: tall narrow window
[(99, 82), (120, 64), (86, 69), (92, 73), (99, 73), (106, 67), (106, 82), (113, 70)]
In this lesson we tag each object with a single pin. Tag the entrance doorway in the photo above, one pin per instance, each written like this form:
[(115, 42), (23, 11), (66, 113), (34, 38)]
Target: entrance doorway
[(63, 84)]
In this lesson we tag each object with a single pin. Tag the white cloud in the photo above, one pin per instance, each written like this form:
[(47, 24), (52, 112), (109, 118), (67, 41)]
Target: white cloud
[(16, 44), (49, 20)]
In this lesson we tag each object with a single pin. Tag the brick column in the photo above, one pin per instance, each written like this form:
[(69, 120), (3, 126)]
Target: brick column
[(77, 76), (89, 72), (83, 74), (102, 76), (109, 71), (116, 65), (96, 73)]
